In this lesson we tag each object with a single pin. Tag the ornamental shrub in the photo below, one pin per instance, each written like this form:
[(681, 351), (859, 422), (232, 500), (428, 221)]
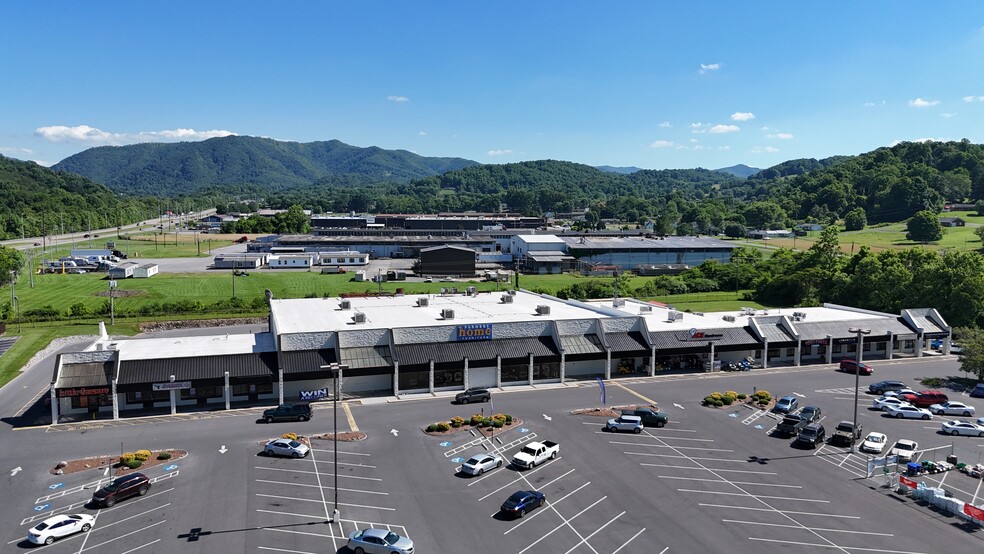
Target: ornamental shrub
[(476, 419), (127, 457), (727, 400), (133, 464), (164, 455), (716, 395), (731, 393), (142, 455), (708, 400), (487, 422), (718, 403), (457, 421), (742, 396), (443, 426), (498, 423), (289, 436), (432, 428)]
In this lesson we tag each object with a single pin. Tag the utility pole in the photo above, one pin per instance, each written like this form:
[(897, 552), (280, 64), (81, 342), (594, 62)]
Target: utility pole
[(857, 375)]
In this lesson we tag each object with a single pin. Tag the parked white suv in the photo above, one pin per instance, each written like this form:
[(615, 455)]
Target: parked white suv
[(625, 423)]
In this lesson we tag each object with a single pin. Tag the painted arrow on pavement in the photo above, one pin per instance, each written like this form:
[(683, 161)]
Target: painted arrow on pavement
[(223, 450), (800, 395), (546, 417), (395, 432), (16, 470), (679, 406)]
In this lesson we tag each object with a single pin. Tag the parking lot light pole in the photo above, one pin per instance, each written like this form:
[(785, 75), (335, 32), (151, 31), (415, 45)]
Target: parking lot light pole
[(336, 369), (857, 375)]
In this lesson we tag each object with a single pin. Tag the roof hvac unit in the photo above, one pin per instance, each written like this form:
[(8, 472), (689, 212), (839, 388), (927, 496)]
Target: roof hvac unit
[(421, 302), (730, 318), (471, 291), (507, 299), (747, 311), (543, 309), (799, 316), (346, 304), (359, 317), (447, 314), (675, 316), (645, 309), (511, 292)]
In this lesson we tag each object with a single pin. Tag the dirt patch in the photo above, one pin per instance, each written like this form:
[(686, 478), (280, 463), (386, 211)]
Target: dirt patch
[(151, 327), (99, 462), (613, 411), (345, 436)]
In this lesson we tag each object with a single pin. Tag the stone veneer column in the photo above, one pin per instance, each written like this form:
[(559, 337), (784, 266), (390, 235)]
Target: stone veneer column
[(608, 364), (116, 400), (280, 383), (396, 378), (465, 379), (563, 366), (830, 349), (765, 353), (430, 378), (920, 344), (799, 352), (498, 371), (890, 346), (652, 362), (711, 344), (531, 368)]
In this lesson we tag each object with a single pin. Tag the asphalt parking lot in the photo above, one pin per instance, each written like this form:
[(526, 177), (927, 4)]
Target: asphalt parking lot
[(711, 480)]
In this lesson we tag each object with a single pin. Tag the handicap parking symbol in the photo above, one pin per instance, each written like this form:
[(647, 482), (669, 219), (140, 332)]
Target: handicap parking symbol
[(446, 443), (733, 414), (171, 467), (56, 486), (759, 427), (42, 507), (524, 430), (457, 460)]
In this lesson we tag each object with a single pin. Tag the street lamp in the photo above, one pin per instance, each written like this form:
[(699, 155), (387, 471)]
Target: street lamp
[(857, 374), (336, 370)]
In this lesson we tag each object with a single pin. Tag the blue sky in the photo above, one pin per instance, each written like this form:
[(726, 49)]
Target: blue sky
[(647, 84)]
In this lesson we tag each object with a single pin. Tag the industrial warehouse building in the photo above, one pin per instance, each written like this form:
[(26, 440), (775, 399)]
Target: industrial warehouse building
[(448, 260), (426, 343)]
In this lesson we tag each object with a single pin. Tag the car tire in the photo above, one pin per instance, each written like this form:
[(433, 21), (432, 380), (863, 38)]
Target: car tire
[(359, 550), (498, 465), (953, 433), (898, 416), (981, 434), (297, 454), (302, 418), (966, 414), (542, 500), (142, 490), (637, 430), (464, 400), (522, 512), (609, 429), (110, 502), (86, 527), (660, 423), (268, 453), (553, 455), (925, 416), (487, 399), (49, 541), (480, 472), (269, 419)]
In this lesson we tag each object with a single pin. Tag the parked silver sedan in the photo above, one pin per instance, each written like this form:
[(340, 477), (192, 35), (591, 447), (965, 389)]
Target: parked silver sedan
[(958, 427), (480, 463), (286, 447), (952, 408), (379, 541)]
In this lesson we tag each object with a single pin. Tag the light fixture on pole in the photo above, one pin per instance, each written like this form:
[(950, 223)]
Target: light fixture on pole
[(336, 370), (857, 375)]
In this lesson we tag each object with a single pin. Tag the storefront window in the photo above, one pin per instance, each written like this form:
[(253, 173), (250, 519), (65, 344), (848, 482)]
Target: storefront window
[(548, 370), (822, 350), (515, 372), (449, 378), (790, 352), (773, 353), (245, 390), (201, 392), (410, 380), (838, 348), (852, 347)]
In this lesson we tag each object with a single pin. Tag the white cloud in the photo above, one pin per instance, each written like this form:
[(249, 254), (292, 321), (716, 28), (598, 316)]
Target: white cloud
[(947, 115), (873, 104), (422, 133), (504, 152), (928, 139), (920, 103), (662, 144), (780, 136), (705, 67), (699, 127), (725, 147), (665, 125), (694, 140), (764, 150), (718, 129), (697, 147), (397, 99), (973, 99), (742, 116), (15, 150), (92, 135)]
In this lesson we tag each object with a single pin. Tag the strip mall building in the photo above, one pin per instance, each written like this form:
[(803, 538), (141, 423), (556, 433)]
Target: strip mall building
[(451, 341)]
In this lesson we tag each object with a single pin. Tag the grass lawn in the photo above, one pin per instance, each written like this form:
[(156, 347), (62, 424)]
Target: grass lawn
[(889, 237)]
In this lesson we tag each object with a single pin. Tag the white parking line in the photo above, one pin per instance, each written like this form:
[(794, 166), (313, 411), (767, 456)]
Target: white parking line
[(585, 539), (332, 536), (312, 473), (672, 446), (127, 534), (709, 468), (626, 543), (284, 550), (824, 529), (660, 455), (773, 510), (566, 523), (754, 495), (318, 486), (845, 548), (341, 452), (518, 479), (306, 516), (735, 482), (133, 516), (144, 545), (552, 503), (669, 438), (320, 502)]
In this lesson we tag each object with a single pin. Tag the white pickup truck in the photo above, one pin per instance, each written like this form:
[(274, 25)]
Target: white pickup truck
[(534, 453)]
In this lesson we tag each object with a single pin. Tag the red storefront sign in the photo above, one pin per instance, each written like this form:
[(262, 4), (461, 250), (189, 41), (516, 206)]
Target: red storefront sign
[(974, 512), (907, 482), (82, 391)]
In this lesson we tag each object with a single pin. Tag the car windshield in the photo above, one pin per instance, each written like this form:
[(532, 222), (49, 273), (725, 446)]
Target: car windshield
[(903, 446), (876, 438), (843, 427), (808, 432), (391, 538), (41, 526), (517, 497), (294, 444), (473, 461)]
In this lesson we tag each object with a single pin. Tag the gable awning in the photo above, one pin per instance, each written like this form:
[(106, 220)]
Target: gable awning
[(95, 375), (627, 342), (301, 365), (365, 357), (574, 345), (475, 351)]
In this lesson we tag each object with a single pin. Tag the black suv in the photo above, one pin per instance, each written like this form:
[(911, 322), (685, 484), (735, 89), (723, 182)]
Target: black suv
[(134, 484), (881, 387), (288, 412), (811, 435), (473, 395), (649, 417)]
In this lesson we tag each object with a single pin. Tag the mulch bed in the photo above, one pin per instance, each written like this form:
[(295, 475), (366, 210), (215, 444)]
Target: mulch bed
[(345, 436), (613, 411), (100, 462), (484, 431)]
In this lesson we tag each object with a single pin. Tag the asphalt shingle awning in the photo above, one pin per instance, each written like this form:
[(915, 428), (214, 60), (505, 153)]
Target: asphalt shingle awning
[(201, 370), (301, 365), (627, 342), (484, 351), (880, 327)]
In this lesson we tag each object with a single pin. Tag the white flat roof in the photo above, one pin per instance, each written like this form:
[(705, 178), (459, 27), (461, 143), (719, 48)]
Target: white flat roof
[(552, 239), (188, 347), (658, 319), (307, 315)]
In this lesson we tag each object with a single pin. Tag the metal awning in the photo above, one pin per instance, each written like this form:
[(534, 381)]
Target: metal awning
[(627, 342), (879, 326), (581, 344), (201, 370), (301, 365), (87, 375), (486, 350), (362, 357)]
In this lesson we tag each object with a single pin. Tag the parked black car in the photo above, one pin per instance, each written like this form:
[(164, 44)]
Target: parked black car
[(134, 484), (881, 387), (811, 435), (473, 395), (521, 502), (288, 412), (649, 417)]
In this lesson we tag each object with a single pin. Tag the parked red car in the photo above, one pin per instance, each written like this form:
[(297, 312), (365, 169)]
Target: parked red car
[(925, 399)]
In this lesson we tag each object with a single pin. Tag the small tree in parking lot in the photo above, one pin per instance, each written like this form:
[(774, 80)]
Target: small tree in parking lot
[(972, 353)]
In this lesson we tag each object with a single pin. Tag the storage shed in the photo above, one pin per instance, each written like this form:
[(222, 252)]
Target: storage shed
[(145, 270), (123, 271), (291, 261)]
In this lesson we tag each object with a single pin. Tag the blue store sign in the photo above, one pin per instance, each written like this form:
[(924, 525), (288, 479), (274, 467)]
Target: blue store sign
[(474, 331)]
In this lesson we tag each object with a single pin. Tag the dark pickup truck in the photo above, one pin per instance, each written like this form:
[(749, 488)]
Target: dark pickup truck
[(649, 417), (288, 412), (791, 425), (845, 433), (811, 435)]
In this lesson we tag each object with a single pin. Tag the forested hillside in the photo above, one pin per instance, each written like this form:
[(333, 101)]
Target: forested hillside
[(36, 198), (186, 167)]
